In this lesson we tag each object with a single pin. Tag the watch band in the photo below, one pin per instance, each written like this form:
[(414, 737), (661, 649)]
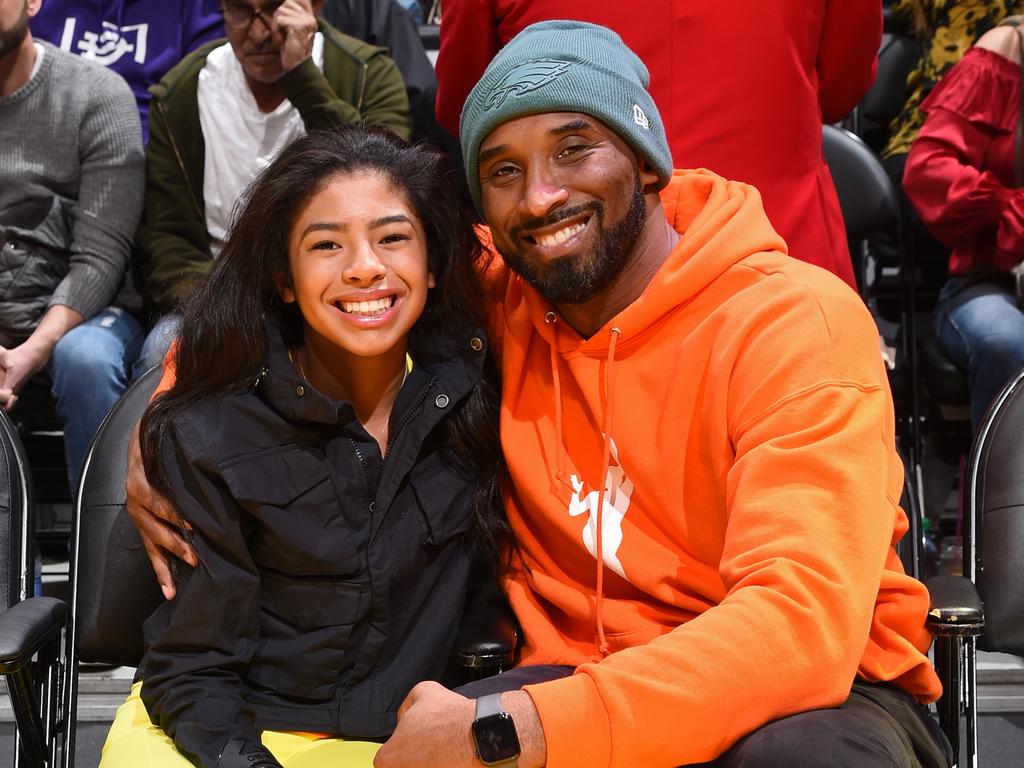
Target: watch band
[(491, 705)]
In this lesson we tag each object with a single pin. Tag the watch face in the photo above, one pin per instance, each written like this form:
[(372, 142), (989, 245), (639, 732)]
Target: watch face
[(496, 738)]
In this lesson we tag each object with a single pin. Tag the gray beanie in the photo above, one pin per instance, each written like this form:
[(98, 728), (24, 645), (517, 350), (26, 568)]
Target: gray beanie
[(566, 66)]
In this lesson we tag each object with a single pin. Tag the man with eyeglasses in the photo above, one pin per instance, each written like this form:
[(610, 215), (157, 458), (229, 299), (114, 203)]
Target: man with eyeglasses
[(224, 113)]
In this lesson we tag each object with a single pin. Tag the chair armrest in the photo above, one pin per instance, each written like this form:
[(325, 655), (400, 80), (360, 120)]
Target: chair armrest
[(26, 627), (956, 608), (487, 638)]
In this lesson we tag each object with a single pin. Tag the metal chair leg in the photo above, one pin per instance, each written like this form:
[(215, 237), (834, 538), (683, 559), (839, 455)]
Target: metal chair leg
[(971, 699), (948, 666), (26, 713)]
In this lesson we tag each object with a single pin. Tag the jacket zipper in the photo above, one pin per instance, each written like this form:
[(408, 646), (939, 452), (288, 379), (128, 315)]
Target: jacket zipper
[(408, 415), (366, 473), (177, 155), (391, 441), (362, 88)]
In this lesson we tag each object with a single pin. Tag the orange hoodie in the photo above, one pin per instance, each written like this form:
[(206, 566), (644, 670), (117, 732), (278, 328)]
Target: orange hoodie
[(750, 506)]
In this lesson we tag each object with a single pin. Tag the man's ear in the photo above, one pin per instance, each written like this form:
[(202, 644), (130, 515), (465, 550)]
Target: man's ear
[(318, 5), (32, 8), (648, 176)]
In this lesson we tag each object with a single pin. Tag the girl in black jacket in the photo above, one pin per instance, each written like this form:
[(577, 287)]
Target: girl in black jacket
[(331, 441)]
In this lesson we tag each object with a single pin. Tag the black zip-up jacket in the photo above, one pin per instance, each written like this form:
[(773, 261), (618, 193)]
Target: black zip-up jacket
[(325, 589)]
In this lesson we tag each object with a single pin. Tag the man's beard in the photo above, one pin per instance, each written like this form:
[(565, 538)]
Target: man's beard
[(10, 39), (574, 279)]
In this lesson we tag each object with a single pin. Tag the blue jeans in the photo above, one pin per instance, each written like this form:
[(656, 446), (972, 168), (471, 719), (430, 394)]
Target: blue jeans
[(157, 342), (982, 329), (91, 368)]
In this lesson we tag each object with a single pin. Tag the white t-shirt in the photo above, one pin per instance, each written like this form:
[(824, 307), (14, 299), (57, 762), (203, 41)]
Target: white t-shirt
[(40, 53), (240, 139)]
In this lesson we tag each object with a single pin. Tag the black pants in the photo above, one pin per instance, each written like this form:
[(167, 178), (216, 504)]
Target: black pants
[(878, 726)]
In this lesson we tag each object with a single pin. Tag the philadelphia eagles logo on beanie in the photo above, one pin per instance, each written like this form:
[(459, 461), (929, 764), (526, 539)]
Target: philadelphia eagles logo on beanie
[(525, 78)]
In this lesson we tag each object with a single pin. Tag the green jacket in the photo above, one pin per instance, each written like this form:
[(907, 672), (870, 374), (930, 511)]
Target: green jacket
[(359, 84)]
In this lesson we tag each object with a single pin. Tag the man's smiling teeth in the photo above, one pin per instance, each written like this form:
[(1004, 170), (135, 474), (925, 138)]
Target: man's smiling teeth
[(559, 237), (367, 307)]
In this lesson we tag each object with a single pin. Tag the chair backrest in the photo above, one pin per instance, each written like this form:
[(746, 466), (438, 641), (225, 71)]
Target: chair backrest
[(16, 518), (113, 586), (866, 193), (994, 545), (887, 95)]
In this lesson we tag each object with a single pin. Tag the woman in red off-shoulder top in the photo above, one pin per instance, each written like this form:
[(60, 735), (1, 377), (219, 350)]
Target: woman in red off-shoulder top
[(961, 177)]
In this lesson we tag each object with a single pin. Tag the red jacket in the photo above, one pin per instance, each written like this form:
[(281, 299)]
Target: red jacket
[(742, 91)]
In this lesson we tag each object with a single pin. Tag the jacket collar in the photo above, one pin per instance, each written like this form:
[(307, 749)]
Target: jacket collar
[(453, 357)]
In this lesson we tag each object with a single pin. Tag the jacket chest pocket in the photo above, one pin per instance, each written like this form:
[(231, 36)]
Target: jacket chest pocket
[(299, 525), (305, 629)]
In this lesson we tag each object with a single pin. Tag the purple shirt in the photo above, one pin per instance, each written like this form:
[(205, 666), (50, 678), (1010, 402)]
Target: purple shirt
[(138, 39)]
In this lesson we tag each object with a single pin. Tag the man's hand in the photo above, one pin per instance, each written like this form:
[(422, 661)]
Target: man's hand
[(155, 518), (434, 730), (17, 365), (293, 30)]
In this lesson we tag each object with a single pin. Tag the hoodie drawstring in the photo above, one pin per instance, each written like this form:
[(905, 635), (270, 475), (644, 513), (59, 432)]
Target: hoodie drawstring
[(552, 319), (606, 432)]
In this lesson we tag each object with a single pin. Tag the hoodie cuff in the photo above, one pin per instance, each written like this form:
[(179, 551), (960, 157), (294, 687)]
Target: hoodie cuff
[(567, 707)]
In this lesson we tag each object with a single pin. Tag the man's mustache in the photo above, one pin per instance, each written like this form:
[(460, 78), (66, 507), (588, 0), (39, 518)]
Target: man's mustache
[(560, 215), (261, 50)]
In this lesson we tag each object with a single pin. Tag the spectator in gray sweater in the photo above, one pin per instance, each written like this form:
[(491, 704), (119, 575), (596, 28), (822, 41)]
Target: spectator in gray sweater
[(71, 185)]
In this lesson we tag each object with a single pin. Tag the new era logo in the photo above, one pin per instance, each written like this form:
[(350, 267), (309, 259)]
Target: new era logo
[(640, 118)]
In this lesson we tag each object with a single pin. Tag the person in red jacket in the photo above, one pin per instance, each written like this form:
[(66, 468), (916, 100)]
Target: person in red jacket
[(964, 177), (742, 91)]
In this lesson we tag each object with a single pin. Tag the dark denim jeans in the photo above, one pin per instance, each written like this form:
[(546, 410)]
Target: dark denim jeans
[(879, 725)]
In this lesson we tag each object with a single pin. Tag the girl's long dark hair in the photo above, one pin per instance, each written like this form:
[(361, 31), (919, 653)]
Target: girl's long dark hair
[(223, 338)]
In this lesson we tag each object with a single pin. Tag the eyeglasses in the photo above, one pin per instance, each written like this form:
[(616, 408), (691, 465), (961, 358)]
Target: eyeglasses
[(239, 16)]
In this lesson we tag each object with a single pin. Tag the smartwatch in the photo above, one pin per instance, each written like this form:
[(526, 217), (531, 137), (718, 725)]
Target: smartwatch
[(494, 732)]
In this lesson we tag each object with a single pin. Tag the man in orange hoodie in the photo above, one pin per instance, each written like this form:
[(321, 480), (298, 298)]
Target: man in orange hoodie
[(699, 437), (702, 473)]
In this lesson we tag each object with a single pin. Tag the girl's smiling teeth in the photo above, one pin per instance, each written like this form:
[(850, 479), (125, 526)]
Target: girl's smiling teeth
[(374, 307), (559, 237)]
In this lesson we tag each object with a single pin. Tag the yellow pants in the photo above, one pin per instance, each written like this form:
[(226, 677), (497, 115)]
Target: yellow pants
[(134, 742)]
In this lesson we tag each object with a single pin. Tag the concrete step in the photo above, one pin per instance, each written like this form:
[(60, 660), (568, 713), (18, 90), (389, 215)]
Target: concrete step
[(100, 692)]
